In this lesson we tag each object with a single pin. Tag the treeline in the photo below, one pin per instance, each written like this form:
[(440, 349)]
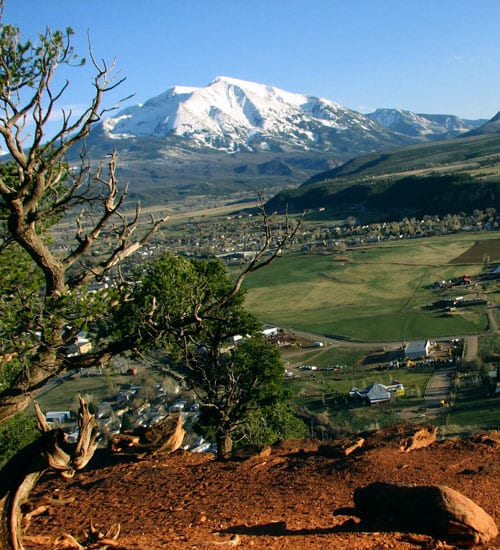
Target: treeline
[(393, 198)]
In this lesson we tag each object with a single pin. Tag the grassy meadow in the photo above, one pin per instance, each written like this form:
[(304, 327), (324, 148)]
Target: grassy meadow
[(375, 293)]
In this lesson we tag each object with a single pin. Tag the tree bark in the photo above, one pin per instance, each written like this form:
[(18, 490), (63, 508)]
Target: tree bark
[(24, 389), (17, 479), (27, 237), (224, 446)]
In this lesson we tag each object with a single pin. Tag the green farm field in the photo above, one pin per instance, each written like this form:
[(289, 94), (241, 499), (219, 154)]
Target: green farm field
[(374, 293), (325, 393)]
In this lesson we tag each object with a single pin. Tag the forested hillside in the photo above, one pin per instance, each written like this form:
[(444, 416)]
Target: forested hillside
[(394, 198), (441, 178)]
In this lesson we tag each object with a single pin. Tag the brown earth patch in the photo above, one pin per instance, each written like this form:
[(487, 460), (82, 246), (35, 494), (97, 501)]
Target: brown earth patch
[(282, 499), (489, 248)]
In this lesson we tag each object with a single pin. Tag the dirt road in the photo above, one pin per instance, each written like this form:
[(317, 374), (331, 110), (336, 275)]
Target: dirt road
[(344, 342), (470, 348), (438, 387)]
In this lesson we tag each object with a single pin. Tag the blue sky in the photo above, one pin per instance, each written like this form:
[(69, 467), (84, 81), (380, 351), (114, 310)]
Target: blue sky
[(427, 56)]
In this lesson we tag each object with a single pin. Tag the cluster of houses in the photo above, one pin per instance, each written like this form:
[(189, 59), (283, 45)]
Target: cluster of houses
[(130, 409), (414, 353), (235, 238), (140, 413), (110, 414), (467, 280)]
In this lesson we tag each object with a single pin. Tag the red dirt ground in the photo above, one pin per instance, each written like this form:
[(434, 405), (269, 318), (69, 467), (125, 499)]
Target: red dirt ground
[(284, 500)]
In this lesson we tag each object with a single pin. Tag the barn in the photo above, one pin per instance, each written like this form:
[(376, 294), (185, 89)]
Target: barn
[(418, 349)]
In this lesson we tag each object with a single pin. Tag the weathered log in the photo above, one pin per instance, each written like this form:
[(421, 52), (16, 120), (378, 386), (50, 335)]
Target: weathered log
[(55, 440), (17, 479), (342, 447), (93, 539), (163, 438), (174, 432)]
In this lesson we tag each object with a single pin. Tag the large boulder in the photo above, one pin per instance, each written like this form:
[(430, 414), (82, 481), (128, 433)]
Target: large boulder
[(432, 509)]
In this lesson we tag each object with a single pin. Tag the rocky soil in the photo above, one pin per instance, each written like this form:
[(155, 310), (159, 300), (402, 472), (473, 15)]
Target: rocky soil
[(285, 498)]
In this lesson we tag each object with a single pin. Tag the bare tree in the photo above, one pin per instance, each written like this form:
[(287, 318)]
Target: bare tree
[(40, 188)]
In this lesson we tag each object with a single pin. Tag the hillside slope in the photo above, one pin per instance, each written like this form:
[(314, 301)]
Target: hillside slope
[(394, 198), (432, 178), (456, 154), (285, 499), (492, 126)]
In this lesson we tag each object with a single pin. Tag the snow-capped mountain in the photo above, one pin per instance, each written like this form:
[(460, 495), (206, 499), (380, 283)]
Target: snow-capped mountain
[(424, 126), (235, 115), (216, 138)]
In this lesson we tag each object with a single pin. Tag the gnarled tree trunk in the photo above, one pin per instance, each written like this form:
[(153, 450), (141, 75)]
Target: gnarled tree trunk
[(21, 474)]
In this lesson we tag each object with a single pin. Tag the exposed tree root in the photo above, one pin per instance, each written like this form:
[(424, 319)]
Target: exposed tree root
[(93, 539), (21, 474)]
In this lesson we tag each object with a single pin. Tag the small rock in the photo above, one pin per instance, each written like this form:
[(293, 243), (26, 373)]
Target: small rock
[(421, 438)]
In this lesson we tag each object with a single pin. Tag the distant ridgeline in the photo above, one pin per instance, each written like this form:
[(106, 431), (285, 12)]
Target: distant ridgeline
[(432, 194)]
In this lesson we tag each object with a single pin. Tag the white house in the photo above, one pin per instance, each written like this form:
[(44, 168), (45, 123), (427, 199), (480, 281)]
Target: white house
[(58, 417), (270, 332), (79, 346), (418, 349)]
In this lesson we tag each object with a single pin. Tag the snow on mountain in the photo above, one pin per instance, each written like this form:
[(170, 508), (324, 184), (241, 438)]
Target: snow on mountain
[(236, 115), (431, 127), (190, 139)]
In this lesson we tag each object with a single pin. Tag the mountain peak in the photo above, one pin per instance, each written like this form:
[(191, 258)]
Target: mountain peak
[(232, 81), (420, 125), (231, 114), (264, 91), (234, 115)]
